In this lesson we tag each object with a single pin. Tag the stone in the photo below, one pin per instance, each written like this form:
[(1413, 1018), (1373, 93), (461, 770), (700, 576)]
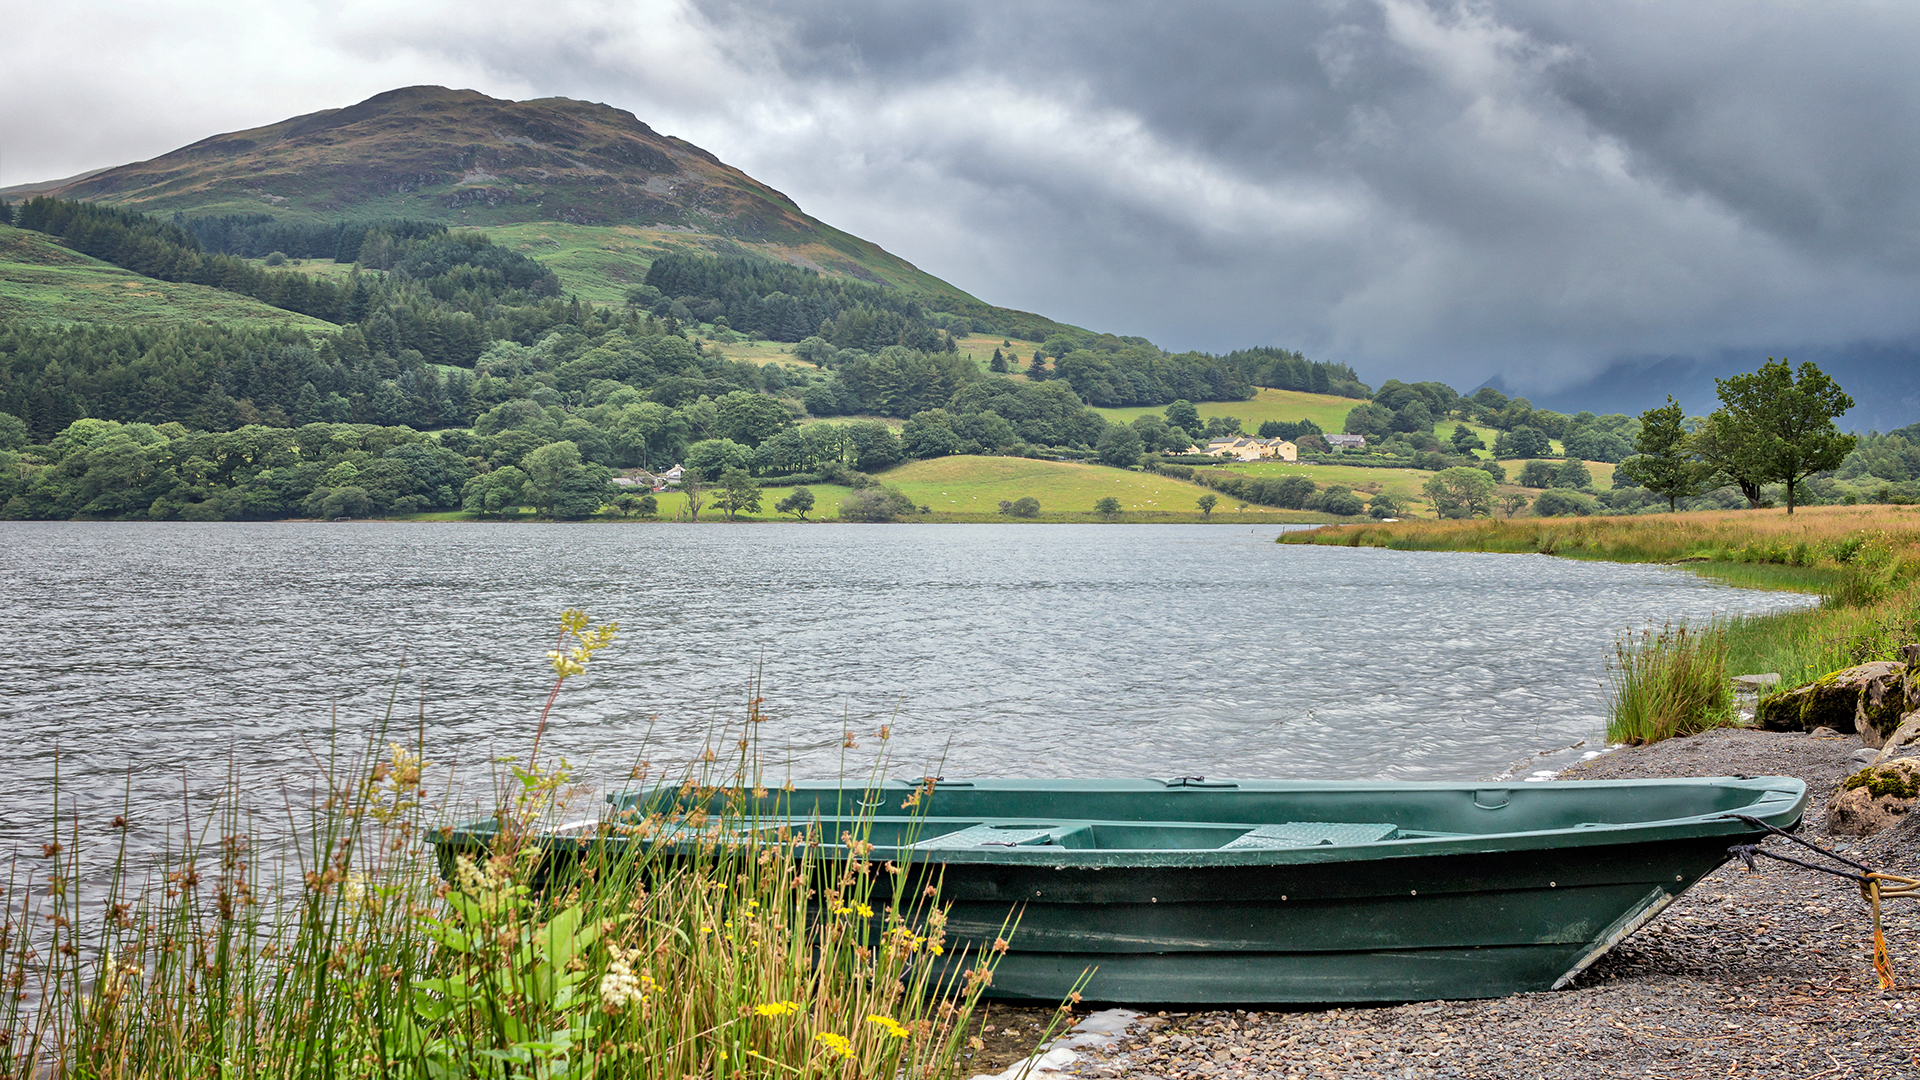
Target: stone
[(1755, 684), (1863, 757), (1874, 798), (1832, 700), (1881, 707), (1824, 733), (1908, 731)]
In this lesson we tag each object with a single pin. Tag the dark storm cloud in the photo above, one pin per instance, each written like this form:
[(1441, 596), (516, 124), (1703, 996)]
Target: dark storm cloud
[(1545, 193)]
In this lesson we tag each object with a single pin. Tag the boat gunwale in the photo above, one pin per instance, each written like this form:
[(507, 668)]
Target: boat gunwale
[(1778, 801)]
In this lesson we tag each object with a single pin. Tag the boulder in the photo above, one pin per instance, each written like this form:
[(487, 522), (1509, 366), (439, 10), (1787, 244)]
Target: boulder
[(1829, 701), (1882, 704), (1874, 798)]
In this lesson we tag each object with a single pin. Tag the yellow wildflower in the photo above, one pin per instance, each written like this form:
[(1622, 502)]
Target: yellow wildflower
[(777, 1008), (893, 1027), (836, 1043)]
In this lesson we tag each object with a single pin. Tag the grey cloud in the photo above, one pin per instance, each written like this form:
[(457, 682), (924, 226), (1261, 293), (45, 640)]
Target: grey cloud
[(1537, 192)]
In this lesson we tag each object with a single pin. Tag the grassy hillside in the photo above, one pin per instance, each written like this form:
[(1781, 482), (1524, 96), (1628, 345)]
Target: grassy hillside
[(42, 281), (586, 187), (1324, 409)]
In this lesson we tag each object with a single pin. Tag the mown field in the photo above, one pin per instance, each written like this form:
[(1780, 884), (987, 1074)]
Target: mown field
[(1289, 405), (41, 281), (969, 489)]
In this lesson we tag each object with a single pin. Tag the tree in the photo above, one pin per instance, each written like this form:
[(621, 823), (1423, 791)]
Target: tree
[(1514, 501), (1786, 420), (998, 363), (547, 467), (582, 492), (1572, 473), (1460, 492), (1026, 506), (1536, 474), (738, 494), (1663, 461), (1037, 370), (1382, 506), (1108, 508), (494, 493), (1206, 503), (798, 503), (1465, 441), (1120, 446), (1525, 441), (710, 457), (1182, 414), (346, 502)]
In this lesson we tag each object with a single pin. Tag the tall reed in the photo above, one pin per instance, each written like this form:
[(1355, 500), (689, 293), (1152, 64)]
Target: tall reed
[(683, 942), (1667, 682)]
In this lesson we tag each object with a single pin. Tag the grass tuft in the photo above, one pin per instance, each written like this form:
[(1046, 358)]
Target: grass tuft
[(1668, 682)]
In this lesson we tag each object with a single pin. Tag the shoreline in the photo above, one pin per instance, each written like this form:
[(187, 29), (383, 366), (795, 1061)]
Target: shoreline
[(1763, 974)]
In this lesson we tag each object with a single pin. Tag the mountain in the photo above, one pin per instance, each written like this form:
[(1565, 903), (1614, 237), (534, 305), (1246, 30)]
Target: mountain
[(463, 158)]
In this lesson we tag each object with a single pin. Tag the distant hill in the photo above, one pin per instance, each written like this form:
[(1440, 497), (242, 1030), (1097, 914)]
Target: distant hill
[(463, 158)]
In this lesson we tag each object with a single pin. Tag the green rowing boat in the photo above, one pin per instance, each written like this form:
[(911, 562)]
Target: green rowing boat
[(1258, 891)]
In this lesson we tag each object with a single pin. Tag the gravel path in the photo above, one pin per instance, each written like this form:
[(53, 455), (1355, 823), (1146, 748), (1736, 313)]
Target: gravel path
[(1765, 974)]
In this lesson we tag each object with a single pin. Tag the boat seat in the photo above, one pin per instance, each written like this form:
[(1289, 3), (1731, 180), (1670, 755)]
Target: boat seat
[(991, 835), (1299, 834)]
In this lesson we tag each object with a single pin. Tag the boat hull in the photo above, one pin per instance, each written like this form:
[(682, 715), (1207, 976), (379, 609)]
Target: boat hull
[(1269, 892)]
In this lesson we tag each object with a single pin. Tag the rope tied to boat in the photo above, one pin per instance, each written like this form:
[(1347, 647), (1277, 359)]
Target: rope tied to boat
[(1875, 885)]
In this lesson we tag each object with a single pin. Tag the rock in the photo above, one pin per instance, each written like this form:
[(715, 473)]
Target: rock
[(1824, 733), (1755, 684), (1863, 757), (1831, 700), (1907, 732), (1874, 798), (1882, 705)]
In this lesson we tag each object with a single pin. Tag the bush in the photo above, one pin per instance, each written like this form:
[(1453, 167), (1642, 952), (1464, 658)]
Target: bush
[(1558, 502), (1026, 506), (876, 504), (1337, 499)]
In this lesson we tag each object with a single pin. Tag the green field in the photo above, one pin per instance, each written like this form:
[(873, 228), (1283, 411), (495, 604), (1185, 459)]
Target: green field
[(319, 268), (960, 489), (597, 263), (41, 281), (1289, 405)]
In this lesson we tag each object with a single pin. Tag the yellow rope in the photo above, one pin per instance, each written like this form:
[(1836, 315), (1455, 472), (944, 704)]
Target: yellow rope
[(1873, 887)]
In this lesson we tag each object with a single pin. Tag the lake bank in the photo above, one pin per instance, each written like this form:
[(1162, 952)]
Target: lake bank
[(1862, 560), (1766, 974)]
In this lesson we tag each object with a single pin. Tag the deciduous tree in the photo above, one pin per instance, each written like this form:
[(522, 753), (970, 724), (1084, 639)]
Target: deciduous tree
[(1460, 492), (1784, 420), (798, 503), (1663, 461)]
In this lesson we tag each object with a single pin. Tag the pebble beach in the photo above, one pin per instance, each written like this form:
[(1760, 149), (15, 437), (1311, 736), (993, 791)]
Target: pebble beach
[(1761, 974)]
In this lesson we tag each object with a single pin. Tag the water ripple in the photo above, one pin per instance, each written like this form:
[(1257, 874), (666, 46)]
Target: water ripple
[(148, 656)]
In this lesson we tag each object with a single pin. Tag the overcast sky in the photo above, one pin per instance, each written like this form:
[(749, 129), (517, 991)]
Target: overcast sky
[(1544, 194)]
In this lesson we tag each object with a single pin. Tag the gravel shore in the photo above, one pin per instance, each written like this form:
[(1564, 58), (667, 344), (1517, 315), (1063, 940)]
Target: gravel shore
[(1762, 974)]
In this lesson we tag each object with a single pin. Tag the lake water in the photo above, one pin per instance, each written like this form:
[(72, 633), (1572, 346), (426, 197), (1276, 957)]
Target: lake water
[(145, 658)]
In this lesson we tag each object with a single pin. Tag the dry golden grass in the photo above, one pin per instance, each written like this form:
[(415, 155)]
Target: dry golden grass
[(1813, 536)]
